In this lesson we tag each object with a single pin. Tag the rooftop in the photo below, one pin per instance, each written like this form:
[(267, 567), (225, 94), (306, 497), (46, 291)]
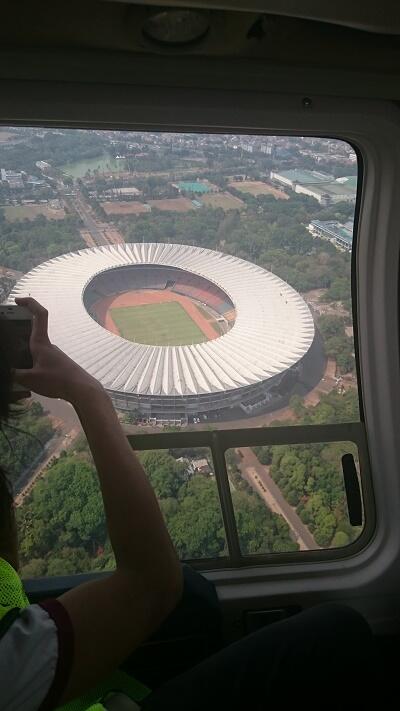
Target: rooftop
[(349, 181), (336, 229), (305, 176)]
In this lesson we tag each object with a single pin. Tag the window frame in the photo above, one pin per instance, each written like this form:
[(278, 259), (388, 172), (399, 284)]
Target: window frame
[(373, 129)]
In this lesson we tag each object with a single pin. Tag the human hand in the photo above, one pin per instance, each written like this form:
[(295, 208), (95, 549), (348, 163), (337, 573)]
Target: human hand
[(53, 374)]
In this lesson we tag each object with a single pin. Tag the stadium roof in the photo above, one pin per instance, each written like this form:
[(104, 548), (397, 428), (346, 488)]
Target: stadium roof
[(273, 328)]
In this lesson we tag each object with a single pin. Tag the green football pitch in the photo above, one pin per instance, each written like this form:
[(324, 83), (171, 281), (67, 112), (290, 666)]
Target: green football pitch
[(165, 324)]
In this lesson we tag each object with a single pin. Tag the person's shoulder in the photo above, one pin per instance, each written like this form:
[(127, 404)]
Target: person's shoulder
[(36, 648)]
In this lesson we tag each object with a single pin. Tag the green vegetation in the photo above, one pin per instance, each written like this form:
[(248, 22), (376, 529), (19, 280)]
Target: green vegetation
[(103, 163), (310, 476), (62, 524), (271, 233), (21, 443), (55, 147), (24, 245), (164, 324), (337, 344), (29, 212)]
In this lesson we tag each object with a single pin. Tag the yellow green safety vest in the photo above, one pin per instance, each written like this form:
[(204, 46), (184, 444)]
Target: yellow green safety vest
[(12, 596)]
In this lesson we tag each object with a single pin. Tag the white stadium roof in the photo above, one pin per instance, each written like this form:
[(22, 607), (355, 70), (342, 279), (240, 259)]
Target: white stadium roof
[(273, 328)]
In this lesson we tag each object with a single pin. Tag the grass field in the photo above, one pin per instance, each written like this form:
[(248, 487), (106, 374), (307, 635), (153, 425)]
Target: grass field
[(165, 324), (224, 200), (124, 208), (257, 187), (180, 204), (29, 212), (104, 164)]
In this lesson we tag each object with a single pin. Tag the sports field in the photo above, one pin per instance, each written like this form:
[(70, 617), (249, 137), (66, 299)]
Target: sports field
[(30, 212), (224, 200), (163, 324), (122, 207)]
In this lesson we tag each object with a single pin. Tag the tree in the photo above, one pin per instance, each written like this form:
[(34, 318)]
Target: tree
[(260, 530), (196, 527), (65, 509), (166, 475), (340, 539)]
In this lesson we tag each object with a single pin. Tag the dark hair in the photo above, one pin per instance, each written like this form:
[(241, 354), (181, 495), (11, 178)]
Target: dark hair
[(5, 374), (6, 498)]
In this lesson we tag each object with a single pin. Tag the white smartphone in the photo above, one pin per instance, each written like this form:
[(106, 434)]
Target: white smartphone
[(15, 333)]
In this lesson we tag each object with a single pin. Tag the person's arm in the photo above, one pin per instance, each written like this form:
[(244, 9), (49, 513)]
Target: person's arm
[(112, 616)]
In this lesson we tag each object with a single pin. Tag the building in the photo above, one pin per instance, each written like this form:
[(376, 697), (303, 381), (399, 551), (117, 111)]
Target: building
[(201, 466), (12, 179), (340, 235), (34, 182), (42, 165), (123, 193), (269, 334), (320, 186), (349, 181), (328, 193), (291, 178)]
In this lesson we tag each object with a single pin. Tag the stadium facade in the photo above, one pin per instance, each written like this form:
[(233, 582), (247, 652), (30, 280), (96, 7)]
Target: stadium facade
[(267, 329)]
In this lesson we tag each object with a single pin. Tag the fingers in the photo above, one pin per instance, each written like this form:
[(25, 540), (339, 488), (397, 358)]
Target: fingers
[(40, 317)]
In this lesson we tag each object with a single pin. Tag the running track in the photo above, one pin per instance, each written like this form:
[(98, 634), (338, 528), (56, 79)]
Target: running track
[(139, 298)]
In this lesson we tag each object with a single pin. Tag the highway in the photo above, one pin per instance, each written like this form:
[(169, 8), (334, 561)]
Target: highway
[(90, 223)]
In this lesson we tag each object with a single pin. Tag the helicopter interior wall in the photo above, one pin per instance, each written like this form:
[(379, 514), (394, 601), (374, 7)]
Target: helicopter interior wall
[(76, 85)]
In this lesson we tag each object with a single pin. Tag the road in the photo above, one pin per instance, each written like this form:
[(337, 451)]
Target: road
[(65, 419), (60, 412), (258, 476), (90, 223), (24, 486)]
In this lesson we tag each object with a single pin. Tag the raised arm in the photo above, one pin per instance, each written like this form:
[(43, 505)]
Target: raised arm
[(112, 616)]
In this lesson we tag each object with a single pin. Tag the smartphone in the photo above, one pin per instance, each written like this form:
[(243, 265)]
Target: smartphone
[(15, 333)]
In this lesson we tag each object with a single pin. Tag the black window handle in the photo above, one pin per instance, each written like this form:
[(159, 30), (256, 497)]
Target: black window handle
[(353, 492)]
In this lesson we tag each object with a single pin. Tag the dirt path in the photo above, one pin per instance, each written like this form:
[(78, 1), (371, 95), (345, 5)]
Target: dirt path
[(258, 476), (53, 449), (140, 298)]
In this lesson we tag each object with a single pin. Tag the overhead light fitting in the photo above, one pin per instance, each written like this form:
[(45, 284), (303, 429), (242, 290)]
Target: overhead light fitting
[(175, 27)]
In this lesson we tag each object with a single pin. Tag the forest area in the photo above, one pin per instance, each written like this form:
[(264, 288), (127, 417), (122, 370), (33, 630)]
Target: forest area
[(62, 527), (22, 440), (25, 244)]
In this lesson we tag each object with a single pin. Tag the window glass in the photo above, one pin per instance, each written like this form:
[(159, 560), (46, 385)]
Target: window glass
[(185, 485), (205, 281), (62, 527), (297, 494)]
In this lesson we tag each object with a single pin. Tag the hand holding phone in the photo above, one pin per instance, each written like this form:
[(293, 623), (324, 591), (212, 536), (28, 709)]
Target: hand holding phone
[(53, 374), (16, 329)]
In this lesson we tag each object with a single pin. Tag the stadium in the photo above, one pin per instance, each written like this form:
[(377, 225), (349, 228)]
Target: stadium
[(175, 333)]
